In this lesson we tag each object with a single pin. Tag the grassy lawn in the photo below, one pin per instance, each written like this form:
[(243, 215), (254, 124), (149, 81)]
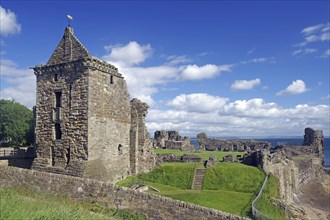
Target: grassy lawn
[(234, 177), (265, 205), (203, 154), (232, 191), (27, 204), (172, 174)]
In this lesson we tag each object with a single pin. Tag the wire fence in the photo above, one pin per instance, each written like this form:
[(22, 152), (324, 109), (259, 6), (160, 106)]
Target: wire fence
[(255, 212), (259, 215)]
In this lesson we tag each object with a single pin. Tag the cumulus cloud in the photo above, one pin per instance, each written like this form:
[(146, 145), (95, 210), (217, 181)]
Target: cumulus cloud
[(8, 21), (198, 102), (194, 72), (143, 82), (241, 117), (17, 84), (128, 55), (245, 84), (296, 87)]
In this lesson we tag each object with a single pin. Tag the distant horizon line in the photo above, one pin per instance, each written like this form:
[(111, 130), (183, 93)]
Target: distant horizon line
[(257, 137)]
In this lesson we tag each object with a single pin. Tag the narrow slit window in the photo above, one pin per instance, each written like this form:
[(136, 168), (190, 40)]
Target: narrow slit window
[(58, 96), (67, 155), (58, 132), (56, 77), (111, 79), (120, 149)]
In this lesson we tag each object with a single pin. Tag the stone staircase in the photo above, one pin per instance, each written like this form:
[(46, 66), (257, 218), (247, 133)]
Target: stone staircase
[(198, 180)]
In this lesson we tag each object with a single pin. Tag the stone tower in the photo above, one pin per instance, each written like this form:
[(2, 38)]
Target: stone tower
[(83, 115)]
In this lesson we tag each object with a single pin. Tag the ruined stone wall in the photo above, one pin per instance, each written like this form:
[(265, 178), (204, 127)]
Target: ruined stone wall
[(151, 205), (142, 156), (172, 140), (315, 139), (108, 127), (70, 80), (296, 166), (215, 144), (161, 136)]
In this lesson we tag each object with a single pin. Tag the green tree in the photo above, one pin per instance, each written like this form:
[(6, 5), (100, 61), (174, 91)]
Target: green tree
[(16, 123)]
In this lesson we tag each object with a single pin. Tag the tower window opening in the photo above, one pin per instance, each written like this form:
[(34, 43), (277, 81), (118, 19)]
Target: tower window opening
[(67, 155), (111, 79), (58, 96), (58, 132), (56, 77), (120, 149)]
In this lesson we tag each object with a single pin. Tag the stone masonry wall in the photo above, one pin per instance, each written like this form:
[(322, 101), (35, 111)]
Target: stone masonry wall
[(150, 205), (108, 127), (142, 156), (172, 140), (215, 144), (71, 82)]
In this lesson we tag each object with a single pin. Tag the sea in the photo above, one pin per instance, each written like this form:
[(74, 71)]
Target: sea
[(287, 141)]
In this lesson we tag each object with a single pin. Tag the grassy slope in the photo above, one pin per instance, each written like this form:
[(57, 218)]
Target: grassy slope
[(265, 205), (203, 154), (171, 179), (28, 204), (229, 187), (233, 177)]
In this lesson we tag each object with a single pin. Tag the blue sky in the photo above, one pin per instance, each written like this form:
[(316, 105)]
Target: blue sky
[(229, 68)]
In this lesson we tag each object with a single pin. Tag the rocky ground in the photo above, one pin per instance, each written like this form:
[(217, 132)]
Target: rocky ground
[(315, 198)]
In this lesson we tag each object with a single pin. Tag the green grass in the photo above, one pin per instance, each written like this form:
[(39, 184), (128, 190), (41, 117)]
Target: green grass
[(228, 187), (203, 154), (27, 204), (172, 174), (264, 203), (233, 177)]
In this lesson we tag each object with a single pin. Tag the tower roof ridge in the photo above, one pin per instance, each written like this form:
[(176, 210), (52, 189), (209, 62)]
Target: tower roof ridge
[(68, 49)]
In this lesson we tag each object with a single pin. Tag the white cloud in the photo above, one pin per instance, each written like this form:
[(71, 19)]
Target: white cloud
[(198, 102), (17, 84), (311, 29), (303, 51), (256, 107), (319, 32), (326, 53), (9, 24), (128, 55), (259, 60), (325, 36), (251, 51), (194, 72), (326, 97), (143, 81), (174, 60), (245, 84), (241, 117), (296, 87)]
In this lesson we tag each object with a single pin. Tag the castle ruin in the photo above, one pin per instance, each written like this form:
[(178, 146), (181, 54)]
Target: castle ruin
[(85, 123)]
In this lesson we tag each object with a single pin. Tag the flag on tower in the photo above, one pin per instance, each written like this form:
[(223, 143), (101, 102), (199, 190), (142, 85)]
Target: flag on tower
[(70, 17)]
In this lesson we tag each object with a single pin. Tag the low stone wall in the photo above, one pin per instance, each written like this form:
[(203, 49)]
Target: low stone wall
[(186, 158), (151, 205)]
